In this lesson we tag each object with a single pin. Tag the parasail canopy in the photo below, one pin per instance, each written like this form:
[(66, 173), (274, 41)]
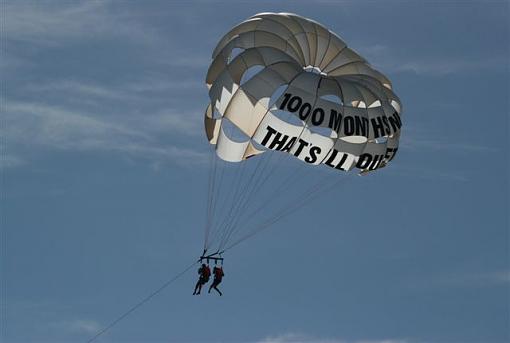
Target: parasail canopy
[(282, 82)]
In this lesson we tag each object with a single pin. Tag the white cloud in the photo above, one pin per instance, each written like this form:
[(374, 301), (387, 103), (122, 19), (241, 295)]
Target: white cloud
[(10, 161), (477, 279), (455, 279), (40, 125), (174, 120), (418, 144), (434, 66), (375, 51), (10, 63), (427, 174), (56, 24), (45, 23), (47, 125), (167, 120), (125, 91), (301, 338), (74, 87), (83, 326), (501, 276), (384, 59), (145, 91), (415, 143), (417, 138), (76, 326), (135, 117), (189, 61)]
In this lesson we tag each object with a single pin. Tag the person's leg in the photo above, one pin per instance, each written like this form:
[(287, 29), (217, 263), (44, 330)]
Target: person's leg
[(216, 287), (217, 290), (213, 285), (196, 287), (200, 284)]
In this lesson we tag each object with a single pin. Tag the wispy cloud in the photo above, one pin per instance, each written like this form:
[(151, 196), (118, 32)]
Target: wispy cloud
[(45, 25), (173, 120), (189, 61), (10, 161), (10, 63), (417, 143), (54, 24), (484, 278), (467, 279), (302, 338), (78, 88), (133, 90), (40, 125), (47, 125), (77, 326), (424, 138), (384, 58), (428, 174), (440, 67), (138, 114), (503, 276), (164, 119), (45, 317)]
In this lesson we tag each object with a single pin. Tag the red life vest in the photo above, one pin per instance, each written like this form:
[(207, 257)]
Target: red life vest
[(218, 273), (206, 272)]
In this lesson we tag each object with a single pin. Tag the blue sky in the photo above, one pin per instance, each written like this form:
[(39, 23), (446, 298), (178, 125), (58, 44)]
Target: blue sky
[(104, 182)]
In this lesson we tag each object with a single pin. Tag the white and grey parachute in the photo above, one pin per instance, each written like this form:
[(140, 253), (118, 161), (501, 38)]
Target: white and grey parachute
[(282, 82)]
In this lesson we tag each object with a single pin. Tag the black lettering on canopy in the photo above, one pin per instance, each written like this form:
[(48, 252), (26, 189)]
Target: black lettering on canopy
[(377, 127), (270, 132), (312, 158), (302, 144), (376, 162), (294, 104), (349, 126), (304, 111), (317, 116), (390, 154), (395, 122), (335, 120), (367, 161), (340, 165), (361, 126), (331, 158), (355, 125), (386, 125), (278, 141), (364, 161), (289, 144), (286, 98)]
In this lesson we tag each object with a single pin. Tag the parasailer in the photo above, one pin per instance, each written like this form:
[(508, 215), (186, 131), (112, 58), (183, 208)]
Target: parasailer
[(218, 277), (204, 273)]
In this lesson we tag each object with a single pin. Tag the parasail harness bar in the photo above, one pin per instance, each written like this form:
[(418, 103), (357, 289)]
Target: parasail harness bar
[(212, 257)]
